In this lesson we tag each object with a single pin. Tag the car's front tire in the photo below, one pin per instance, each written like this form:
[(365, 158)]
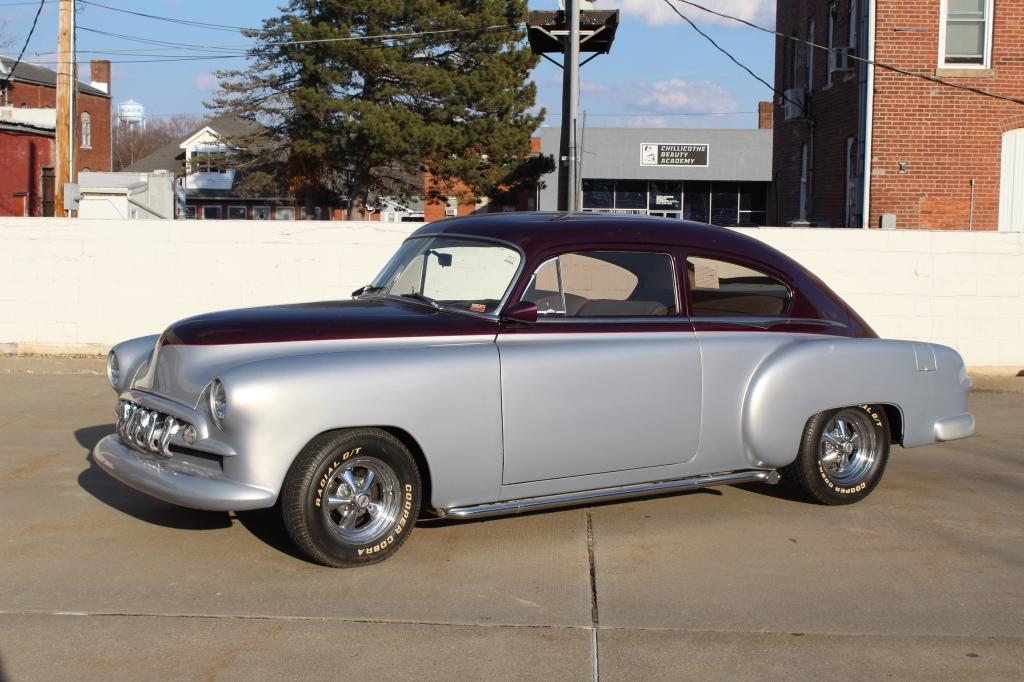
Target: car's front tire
[(843, 454), (351, 497)]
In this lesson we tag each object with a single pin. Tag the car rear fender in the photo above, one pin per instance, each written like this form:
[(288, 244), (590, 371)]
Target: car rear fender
[(925, 382)]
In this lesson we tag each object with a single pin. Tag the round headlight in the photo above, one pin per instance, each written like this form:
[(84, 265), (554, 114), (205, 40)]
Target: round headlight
[(218, 401), (113, 369)]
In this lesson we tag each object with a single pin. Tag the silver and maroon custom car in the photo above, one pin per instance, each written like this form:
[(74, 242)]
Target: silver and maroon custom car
[(509, 363)]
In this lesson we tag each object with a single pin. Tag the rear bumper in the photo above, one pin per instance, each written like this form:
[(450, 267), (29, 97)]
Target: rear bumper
[(177, 482), (954, 428)]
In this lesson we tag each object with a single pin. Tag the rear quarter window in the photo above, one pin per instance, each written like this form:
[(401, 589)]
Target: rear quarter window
[(720, 288)]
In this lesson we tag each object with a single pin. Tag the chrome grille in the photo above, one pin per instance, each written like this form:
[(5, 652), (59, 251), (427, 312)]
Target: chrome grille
[(145, 429)]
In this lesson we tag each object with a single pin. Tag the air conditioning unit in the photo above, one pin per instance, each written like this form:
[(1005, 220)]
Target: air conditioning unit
[(840, 60), (449, 211), (795, 104)]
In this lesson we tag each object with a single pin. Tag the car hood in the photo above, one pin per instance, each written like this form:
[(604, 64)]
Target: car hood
[(192, 352)]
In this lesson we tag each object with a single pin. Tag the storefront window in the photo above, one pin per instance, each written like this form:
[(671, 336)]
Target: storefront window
[(724, 203), (752, 203), (598, 194), (631, 194), (696, 201), (665, 196)]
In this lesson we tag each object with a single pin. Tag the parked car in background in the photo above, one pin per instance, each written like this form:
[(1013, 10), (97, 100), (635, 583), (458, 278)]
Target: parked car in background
[(508, 363)]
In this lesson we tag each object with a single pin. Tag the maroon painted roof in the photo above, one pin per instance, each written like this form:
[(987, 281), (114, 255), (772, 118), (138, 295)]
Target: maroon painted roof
[(537, 233), (533, 230)]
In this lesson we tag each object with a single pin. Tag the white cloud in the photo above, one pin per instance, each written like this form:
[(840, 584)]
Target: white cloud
[(657, 13), (678, 96), (206, 81)]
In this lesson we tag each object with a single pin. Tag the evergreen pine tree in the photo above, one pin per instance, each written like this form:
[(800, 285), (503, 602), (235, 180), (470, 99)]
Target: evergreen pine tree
[(350, 113)]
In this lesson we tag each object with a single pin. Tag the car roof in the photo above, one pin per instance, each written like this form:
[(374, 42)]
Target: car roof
[(539, 231)]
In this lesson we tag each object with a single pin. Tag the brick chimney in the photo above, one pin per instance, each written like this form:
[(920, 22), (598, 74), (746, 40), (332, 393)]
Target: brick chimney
[(765, 115), (100, 71)]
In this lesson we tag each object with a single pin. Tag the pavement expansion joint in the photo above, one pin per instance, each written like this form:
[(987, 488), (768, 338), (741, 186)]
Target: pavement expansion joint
[(279, 618), (595, 617)]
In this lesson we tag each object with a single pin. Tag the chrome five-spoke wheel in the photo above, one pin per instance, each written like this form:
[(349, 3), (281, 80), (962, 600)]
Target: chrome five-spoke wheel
[(848, 447), (842, 454), (363, 499), (351, 497)]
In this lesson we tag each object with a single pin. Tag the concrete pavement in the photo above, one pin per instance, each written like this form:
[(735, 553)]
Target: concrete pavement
[(923, 580)]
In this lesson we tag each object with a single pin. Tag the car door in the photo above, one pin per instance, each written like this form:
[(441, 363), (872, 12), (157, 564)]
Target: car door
[(608, 378)]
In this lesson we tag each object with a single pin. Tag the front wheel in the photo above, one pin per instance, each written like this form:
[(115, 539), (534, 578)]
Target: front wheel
[(351, 497), (843, 454)]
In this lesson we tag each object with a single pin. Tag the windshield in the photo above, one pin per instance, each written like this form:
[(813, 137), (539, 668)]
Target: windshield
[(450, 272)]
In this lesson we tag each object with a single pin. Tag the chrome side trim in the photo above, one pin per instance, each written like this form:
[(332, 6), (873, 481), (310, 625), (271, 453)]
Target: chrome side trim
[(608, 494)]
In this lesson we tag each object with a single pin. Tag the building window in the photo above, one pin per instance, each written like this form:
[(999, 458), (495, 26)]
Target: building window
[(851, 182), (810, 55), (261, 213), (805, 177), (852, 39), (207, 162), (211, 213), (284, 213), (236, 213), (831, 41), (965, 36), (85, 129), (190, 212)]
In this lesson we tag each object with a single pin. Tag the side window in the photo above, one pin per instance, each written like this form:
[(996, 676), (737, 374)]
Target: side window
[(604, 284), (721, 288)]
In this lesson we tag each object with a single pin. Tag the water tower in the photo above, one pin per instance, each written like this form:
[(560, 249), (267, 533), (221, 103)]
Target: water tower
[(131, 113)]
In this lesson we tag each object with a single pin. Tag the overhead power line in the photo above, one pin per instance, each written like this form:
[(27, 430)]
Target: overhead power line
[(732, 58), (21, 54), (653, 114), (252, 46), (871, 62), (173, 20)]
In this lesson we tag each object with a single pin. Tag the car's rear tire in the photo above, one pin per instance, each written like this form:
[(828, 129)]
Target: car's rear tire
[(351, 497), (843, 454)]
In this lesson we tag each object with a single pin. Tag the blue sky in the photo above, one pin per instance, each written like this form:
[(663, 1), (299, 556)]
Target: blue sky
[(658, 70)]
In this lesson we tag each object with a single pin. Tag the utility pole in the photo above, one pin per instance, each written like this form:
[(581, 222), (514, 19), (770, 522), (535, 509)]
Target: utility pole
[(567, 164), (561, 33), (64, 171)]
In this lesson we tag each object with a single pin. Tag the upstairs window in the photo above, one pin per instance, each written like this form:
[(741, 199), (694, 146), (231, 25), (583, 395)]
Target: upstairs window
[(965, 36), (85, 128), (208, 162)]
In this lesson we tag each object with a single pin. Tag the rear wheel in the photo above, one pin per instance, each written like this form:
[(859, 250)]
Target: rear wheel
[(351, 497), (843, 455)]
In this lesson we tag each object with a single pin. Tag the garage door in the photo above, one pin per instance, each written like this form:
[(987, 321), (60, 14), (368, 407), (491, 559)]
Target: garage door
[(1011, 184)]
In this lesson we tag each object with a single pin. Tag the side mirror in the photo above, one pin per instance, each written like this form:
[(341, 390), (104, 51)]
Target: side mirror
[(523, 311)]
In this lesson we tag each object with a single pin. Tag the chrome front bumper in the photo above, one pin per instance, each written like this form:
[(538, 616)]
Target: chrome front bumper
[(176, 481)]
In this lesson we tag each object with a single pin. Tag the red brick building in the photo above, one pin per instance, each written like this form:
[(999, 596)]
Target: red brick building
[(27, 121), (938, 157)]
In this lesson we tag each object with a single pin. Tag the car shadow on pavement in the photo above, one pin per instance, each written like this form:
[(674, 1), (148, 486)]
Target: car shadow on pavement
[(267, 526), (113, 493)]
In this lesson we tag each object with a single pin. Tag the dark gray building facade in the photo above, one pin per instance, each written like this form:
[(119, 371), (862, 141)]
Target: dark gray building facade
[(717, 176)]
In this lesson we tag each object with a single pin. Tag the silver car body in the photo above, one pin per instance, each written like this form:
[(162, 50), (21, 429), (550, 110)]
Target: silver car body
[(509, 416)]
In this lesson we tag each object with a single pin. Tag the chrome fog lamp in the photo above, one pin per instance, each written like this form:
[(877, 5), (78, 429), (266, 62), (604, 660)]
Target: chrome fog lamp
[(113, 369), (218, 401)]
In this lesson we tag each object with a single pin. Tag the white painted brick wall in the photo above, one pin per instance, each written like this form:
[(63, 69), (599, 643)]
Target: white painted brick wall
[(84, 285)]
